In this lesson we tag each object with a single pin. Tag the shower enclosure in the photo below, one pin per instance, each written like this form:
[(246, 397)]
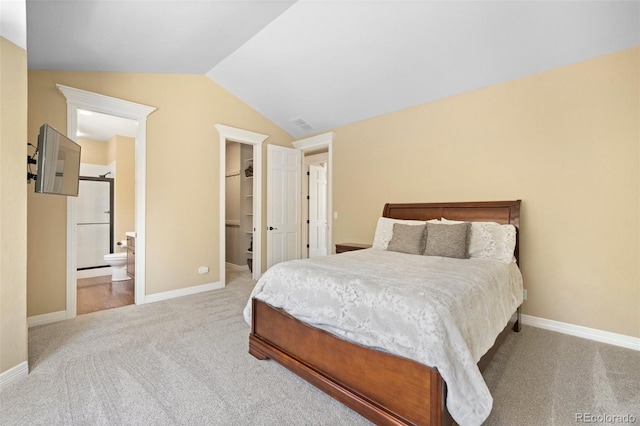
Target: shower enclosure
[(95, 221)]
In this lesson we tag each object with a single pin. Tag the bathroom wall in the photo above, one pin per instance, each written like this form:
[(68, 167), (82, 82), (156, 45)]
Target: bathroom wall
[(124, 158), (93, 152)]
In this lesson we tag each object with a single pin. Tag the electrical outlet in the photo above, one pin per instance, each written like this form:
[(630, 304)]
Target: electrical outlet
[(203, 270), (524, 294)]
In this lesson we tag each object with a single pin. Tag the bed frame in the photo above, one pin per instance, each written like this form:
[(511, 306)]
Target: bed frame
[(386, 389)]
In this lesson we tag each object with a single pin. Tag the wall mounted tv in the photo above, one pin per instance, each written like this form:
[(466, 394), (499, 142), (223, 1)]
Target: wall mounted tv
[(58, 163)]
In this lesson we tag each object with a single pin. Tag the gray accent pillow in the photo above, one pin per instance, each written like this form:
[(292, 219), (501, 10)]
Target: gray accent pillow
[(407, 238), (447, 240)]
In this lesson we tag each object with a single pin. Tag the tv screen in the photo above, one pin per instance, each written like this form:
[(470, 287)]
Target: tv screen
[(58, 163)]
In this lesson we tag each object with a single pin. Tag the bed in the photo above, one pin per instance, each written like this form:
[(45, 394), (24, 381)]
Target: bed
[(381, 386)]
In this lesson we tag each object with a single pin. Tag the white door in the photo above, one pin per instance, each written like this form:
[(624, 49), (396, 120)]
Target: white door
[(317, 210), (284, 168)]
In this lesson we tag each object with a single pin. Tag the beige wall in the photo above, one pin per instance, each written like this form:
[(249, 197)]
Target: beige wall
[(565, 141), (13, 205), (182, 176), (93, 152)]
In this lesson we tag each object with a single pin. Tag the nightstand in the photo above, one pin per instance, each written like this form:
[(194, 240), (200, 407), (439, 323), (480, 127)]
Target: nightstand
[(344, 247)]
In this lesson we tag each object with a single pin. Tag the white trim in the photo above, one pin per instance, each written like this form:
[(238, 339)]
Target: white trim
[(106, 104), (172, 294), (240, 135), (46, 318), (77, 98), (235, 267), (14, 373), (616, 339), (314, 142), (324, 140), (234, 134)]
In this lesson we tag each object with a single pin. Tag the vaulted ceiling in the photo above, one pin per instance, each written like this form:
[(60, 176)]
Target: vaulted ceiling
[(313, 65)]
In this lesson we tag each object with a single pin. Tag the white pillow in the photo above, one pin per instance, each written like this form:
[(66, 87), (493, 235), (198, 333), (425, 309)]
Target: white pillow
[(491, 240), (384, 230)]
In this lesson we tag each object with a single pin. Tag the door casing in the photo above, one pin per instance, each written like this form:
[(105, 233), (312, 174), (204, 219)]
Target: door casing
[(82, 99), (233, 134), (316, 143)]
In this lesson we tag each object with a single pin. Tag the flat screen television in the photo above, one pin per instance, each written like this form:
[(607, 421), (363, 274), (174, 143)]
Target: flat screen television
[(58, 163)]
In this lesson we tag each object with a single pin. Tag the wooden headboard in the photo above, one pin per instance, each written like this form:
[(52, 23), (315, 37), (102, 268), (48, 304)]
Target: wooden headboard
[(480, 211)]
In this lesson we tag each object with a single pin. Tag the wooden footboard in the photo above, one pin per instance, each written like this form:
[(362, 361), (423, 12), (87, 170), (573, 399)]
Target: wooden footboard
[(386, 389)]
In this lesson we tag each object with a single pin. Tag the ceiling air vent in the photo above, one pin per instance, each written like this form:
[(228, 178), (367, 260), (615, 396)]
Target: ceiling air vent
[(300, 122)]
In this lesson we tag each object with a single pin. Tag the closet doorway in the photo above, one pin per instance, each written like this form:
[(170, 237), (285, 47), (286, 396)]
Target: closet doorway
[(239, 213), (254, 141)]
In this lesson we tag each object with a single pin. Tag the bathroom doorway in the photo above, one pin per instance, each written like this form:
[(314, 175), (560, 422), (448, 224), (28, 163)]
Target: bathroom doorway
[(105, 211), (78, 99)]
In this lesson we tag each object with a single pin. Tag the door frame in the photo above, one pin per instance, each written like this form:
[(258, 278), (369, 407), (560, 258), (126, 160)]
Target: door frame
[(234, 134), (316, 143), (82, 99)]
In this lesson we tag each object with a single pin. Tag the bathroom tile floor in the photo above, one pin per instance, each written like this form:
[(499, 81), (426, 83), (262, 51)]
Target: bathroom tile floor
[(100, 293)]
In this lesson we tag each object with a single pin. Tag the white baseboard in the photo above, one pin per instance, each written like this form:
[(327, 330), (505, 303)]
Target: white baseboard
[(14, 373), (234, 267), (91, 273), (156, 297), (62, 315), (46, 318), (616, 339)]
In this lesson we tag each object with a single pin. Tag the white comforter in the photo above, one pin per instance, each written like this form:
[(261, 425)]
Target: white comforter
[(442, 312)]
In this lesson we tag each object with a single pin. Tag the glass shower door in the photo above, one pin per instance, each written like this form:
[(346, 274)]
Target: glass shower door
[(94, 222)]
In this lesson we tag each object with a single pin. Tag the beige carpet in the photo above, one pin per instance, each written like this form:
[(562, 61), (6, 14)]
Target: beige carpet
[(184, 361)]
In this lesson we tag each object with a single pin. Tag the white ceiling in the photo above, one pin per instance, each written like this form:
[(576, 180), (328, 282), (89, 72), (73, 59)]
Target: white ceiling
[(329, 63), (102, 127)]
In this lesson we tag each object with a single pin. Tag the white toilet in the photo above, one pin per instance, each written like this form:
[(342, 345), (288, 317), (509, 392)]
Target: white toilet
[(118, 263)]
